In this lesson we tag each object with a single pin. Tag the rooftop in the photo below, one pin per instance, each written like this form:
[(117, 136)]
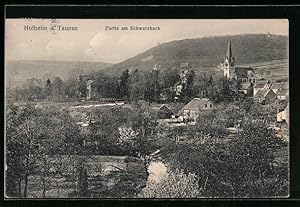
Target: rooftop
[(260, 85), (162, 107), (245, 86), (196, 104), (261, 93), (242, 72)]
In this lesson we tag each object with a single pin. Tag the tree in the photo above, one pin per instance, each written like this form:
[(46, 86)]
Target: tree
[(210, 123), (143, 118), (34, 135), (105, 130), (69, 89), (137, 86), (14, 172), (168, 77), (239, 167), (21, 131), (128, 139), (266, 113), (82, 182), (57, 88), (81, 87), (155, 86), (124, 84), (231, 116), (48, 89), (175, 184), (106, 86), (251, 157), (187, 81)]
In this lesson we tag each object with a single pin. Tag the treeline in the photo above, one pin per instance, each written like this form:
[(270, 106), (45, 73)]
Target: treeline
[(132, 86)]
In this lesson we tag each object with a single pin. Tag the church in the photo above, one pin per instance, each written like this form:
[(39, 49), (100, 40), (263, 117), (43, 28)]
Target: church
[(244, 76), (241, 74)]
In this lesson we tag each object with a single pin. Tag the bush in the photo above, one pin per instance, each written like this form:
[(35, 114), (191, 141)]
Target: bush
[(175, 184)]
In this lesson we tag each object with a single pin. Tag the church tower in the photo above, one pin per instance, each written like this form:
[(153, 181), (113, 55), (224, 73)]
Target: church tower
[(229, 63)]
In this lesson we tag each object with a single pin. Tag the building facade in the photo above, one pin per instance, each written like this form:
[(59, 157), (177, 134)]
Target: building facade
[(195, 107)]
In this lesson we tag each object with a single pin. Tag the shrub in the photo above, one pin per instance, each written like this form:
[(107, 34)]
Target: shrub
[(175, 184)]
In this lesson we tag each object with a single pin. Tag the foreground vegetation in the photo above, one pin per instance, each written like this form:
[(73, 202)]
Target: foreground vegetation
[(205, 157)]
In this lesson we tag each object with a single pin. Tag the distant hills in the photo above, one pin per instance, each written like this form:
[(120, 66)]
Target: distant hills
[(18, 71), (206, 53)]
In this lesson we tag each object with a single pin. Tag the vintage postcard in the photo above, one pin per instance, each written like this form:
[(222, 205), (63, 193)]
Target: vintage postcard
[(146, 108)]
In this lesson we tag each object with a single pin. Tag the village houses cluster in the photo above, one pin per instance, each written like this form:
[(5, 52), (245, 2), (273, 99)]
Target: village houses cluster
[(261, 91)]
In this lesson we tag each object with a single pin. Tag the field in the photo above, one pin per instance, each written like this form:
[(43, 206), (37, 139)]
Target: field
[(275, 71)]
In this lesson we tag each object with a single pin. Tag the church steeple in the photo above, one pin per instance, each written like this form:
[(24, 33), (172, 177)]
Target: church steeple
[(229, 51), (229, 63)]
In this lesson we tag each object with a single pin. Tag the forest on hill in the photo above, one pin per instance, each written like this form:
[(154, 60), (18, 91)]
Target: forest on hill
[(208, 52)]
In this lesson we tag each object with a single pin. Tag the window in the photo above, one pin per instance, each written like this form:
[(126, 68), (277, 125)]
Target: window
[(226, 64), (210, 105), (205, 105)]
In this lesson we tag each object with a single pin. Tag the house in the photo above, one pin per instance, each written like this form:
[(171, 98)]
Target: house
[(265, 96), (192, 110), (261, 85), (185, 70), (282, 94), (181, 85), (163, 112), (283, 115), (178, 88), (246, 88), (245, 75)]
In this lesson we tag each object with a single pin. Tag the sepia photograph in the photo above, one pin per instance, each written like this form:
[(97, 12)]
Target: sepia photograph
[(146, 108)]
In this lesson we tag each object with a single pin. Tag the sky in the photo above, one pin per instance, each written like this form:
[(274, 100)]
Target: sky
[(93, 42)]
